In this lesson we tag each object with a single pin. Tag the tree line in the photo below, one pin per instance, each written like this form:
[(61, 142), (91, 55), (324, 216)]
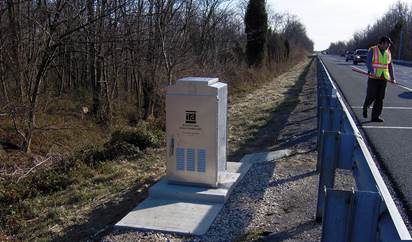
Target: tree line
[(395, 23), (117, 52)]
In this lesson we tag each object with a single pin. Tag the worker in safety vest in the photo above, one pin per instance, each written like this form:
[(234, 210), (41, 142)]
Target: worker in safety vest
[(380, 71)]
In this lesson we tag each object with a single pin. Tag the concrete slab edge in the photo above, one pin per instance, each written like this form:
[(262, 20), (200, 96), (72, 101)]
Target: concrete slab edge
[(266, 156)]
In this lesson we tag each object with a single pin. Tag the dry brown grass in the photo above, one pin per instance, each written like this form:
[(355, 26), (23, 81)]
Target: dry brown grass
[(32, 214), (96, 195), (248, 113)]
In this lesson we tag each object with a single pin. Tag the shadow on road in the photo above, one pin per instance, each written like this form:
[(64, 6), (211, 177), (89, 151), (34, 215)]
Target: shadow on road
[(406, 95), (365, 122)]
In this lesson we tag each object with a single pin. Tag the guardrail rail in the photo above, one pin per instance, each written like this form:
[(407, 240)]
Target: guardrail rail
[(402, 62), (368, 212)]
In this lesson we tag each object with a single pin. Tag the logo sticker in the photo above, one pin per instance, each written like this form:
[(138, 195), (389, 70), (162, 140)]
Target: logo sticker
[(190, 117)]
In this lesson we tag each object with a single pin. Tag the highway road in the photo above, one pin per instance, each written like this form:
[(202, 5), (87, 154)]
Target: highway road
[(391, 140)]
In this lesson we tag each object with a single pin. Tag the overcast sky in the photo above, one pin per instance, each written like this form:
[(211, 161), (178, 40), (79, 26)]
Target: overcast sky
[(329, 21)]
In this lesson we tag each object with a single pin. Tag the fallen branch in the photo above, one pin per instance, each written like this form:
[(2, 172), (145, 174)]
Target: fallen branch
[(52, 128), (34, 167)]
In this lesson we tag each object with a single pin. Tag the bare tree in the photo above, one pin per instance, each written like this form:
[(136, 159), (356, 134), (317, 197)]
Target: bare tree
[(117, 52), (396, 23)]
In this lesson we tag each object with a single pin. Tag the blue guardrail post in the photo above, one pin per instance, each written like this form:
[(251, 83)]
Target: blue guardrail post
[(328, 162), (359, 215), (350, 216)]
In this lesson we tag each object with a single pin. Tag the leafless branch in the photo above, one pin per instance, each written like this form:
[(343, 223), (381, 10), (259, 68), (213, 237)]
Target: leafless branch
[(33, 168)]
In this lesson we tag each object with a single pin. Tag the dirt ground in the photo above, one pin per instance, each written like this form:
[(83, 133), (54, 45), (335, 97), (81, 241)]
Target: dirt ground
[(275, 201)]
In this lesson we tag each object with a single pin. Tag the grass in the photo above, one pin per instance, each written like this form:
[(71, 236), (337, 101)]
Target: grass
[(252, 235), (46, 214), (42, 205), (93, 169), (245, 122)]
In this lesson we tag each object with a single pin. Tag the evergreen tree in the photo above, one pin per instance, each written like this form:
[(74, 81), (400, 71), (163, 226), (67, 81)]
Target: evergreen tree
[(256, 22)]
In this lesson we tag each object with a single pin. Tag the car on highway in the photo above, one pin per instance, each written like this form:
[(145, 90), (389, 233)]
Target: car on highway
[(349, 55), (360, 55)]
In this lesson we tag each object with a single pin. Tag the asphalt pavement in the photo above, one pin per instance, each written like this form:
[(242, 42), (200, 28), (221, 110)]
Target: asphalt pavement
[(391, 140)]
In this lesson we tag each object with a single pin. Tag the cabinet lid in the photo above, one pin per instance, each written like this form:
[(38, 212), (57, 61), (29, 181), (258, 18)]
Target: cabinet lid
[(203, 81)]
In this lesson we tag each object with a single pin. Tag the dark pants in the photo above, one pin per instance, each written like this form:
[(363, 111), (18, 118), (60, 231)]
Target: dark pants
[(375, 94)]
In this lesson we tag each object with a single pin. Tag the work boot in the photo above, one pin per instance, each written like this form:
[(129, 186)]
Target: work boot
[(365, 113), (378, 119)]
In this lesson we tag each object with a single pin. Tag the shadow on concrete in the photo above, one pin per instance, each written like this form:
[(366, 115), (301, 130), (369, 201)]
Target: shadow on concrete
[(263, 140), (290, 233), (101, 220), (243, 214), (406, 95)]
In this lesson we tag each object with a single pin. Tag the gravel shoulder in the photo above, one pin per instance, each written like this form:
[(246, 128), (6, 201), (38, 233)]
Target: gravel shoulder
[(276, 200)]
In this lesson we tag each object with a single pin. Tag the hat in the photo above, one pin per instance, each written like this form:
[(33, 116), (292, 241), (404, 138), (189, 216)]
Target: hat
[(386, 39)]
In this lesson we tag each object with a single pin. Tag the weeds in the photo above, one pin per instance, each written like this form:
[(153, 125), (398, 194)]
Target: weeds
[(252, 235), (74, 181), (98, 166)]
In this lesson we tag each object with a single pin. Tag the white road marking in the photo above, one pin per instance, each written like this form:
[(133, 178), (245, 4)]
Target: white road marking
[(385, 127), (404, 87), (399, 108)]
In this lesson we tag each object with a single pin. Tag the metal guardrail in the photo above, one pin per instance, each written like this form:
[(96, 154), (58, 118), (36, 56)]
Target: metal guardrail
[(402, 62), (368, 212)]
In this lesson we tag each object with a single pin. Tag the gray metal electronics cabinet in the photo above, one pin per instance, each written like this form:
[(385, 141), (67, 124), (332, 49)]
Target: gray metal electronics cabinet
[(196, 113)]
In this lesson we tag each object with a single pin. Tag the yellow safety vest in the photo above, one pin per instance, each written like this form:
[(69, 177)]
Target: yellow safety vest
[(380, 63)]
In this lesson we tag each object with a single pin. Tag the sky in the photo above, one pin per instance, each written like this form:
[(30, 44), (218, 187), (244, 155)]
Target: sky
[(329, 21)]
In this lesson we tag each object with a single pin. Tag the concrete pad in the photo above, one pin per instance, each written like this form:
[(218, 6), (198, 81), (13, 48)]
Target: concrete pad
[(163, 189), (172, 215), (238, 167), (265, 156), (183, 208), (228, 180)]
